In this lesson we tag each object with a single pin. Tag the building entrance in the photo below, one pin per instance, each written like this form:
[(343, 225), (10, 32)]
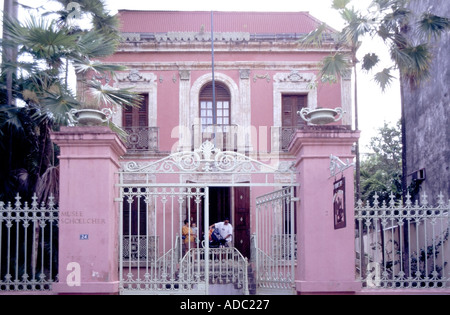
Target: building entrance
[(161, 250)]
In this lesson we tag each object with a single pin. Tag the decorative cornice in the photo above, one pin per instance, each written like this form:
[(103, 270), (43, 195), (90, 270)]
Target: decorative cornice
[(223, 65), (294, 76), (195, 36), (230, 43)]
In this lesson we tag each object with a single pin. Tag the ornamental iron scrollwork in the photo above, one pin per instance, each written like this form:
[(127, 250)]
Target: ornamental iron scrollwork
[(206, 159), (337, 166)]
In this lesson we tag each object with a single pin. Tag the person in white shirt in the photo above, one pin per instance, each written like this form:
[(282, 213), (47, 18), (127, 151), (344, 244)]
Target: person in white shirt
[(226, 230)]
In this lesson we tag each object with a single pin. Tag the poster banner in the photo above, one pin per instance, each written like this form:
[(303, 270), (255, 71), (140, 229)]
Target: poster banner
[(340, 220)]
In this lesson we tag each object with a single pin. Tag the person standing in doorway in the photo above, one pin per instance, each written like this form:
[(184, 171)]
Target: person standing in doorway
[(226, 231), (188, 237)]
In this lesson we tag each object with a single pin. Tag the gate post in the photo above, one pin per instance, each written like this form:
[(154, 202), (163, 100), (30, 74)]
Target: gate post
[(88, 229), (326, 253)]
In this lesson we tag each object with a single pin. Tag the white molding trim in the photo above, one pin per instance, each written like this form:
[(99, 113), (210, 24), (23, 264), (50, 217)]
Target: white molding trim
[(140, 82), (295, 82), (238, 117)]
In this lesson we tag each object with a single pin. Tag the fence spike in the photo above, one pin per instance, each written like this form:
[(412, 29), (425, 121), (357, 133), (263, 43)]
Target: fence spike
[(51, 201), (360, 204), (392, 200), (376, 202), (441, 202), (408, 201), (424, 199), (34, 203), (18, 204)]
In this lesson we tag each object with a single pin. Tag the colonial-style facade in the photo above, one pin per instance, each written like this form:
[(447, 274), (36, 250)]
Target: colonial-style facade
[(244, 108), (263, 79), (210, 143)]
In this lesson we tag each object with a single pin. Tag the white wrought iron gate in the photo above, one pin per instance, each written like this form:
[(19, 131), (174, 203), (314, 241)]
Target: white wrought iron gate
[(155, 239), (157, 197), (276, 242)]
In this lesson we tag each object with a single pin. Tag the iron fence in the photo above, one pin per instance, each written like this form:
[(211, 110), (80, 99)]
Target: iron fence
[(403, 246), (28, 245), (275, 241)]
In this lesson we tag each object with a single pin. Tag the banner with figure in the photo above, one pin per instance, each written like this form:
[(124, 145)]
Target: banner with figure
[(340, 221)]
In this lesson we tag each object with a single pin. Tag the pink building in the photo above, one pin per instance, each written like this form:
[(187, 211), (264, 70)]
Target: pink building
[(262, 79), (134, 216)]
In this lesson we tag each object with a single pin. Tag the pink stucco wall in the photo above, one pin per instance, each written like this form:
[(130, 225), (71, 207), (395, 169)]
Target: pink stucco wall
[(88, 229), (326, 260)]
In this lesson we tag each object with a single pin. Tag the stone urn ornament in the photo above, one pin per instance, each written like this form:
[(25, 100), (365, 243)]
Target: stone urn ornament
[(90, 117), (321, 116)]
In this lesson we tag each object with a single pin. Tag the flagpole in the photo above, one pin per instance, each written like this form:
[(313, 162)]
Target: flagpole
[(213, 79)]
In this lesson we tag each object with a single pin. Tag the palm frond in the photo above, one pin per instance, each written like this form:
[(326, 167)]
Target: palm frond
[(119, 131), (357, 26), (95, 44), (87, 6), (40, 38), (413, 61), (106, 95), (10, 118), (370, 60), (335, 65), (340, 4), (86, 66), (54, 107), (431, 26), (316, 37), (384, 78), (107, 24)]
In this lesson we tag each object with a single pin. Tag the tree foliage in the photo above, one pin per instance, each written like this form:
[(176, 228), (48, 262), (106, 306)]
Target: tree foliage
[(390, 20), (49, 44), (381, 171)]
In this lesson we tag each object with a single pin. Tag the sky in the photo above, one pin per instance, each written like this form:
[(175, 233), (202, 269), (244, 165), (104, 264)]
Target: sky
[(375, 107)]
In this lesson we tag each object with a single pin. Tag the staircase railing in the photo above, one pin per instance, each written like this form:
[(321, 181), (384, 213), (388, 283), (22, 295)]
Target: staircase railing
[(226, 265)]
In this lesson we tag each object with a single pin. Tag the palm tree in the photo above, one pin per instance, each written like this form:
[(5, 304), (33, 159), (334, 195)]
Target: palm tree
[(344, 59), (47, 46), (388, 20), (9, 54)]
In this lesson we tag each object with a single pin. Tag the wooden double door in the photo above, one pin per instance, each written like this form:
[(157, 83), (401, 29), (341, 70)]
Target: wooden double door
[(231, 203)]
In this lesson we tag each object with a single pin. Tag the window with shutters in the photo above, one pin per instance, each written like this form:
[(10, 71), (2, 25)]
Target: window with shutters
[(291, 105), (135, 121), (136, 117)]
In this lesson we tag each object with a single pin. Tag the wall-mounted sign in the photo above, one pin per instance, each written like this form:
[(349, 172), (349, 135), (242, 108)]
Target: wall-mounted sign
[(340, 220)]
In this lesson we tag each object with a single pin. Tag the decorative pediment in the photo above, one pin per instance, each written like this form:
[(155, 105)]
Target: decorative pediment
[(294, 77), (134, 76)]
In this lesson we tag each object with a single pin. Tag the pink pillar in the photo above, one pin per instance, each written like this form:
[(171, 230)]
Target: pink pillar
[(88, 229), (326, 255)]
